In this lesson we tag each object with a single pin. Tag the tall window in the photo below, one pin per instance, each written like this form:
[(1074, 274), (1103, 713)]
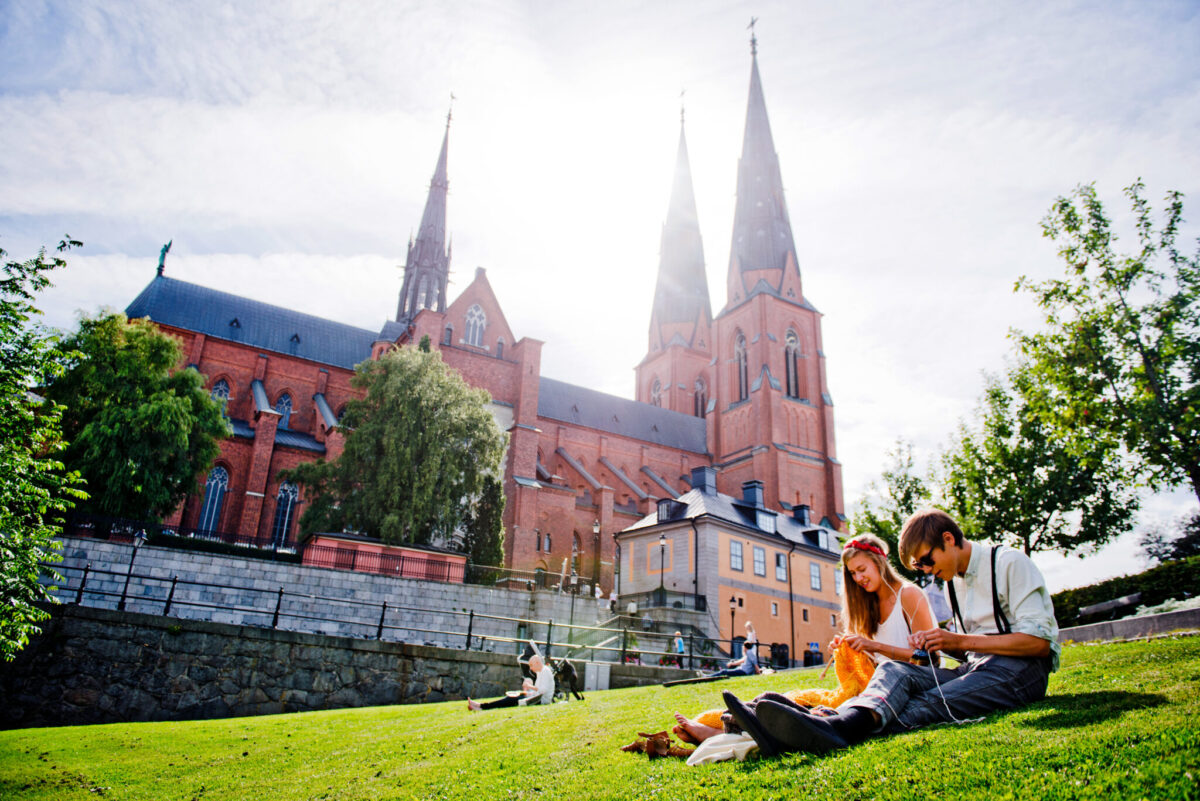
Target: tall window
[(214, 498), (500, 348), (220, 390), (448, 335), (837, 582), (735, 555), (285, 508), (701, 403), (760, 561), (743, 374), (781, 566), (476, 322), (814, 575), (791, 364), (284, 407), (656, 393), (423, 292)]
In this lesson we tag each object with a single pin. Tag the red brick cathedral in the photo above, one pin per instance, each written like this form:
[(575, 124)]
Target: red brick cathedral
[(743, 392)]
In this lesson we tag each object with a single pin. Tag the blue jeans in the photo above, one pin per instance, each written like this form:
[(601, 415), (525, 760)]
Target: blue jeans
[(744, 669), (907, 696)]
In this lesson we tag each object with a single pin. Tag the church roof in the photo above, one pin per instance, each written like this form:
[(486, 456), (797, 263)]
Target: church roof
[(558, 400), (169, 301), (762, 231)]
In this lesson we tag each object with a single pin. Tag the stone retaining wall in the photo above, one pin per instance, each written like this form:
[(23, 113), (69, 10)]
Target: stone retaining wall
[(359, 596), (1131, 627), (101, 666)]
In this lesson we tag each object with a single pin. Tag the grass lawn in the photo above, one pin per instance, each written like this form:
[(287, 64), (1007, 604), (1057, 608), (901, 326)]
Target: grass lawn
[(1121, 721)]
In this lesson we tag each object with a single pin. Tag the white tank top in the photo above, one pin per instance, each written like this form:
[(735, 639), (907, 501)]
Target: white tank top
[(893, 631)]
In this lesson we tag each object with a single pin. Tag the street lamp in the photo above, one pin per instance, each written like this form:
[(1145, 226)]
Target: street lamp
[(732, 612), (139, 539), (662, 568), (596, 553)]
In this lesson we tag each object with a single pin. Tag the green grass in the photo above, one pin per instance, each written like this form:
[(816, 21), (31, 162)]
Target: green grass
[(1120, 721)]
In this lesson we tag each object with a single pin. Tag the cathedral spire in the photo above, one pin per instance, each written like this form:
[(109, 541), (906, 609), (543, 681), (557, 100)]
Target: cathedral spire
[(762, 232), (427, 267), (681, 295)]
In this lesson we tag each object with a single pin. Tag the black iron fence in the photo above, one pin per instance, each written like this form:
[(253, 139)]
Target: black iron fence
[(280, 609), (416, 566)]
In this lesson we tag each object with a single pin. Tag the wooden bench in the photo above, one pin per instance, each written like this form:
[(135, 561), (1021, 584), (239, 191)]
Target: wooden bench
[(1110, 606)]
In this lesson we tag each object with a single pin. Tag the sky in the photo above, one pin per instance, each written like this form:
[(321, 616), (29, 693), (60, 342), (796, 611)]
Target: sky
[(286, 149)]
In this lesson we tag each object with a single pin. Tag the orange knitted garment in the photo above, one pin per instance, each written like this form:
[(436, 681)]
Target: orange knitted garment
[(854, 670)]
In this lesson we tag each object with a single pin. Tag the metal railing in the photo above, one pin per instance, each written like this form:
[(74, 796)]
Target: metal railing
[(429, 568), (281, 609)]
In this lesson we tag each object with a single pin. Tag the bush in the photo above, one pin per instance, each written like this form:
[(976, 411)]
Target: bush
[(1180, 579)]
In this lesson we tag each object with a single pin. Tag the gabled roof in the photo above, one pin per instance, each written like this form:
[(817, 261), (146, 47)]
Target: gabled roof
[(568, 403), (273, 328), (731, 510)]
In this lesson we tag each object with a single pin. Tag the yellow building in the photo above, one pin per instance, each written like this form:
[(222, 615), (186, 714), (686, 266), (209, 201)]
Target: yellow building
[(708, 562)]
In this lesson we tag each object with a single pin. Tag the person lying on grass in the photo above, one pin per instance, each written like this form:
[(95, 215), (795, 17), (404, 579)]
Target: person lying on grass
[(1008, 641), (539, 691), (881, 610), (747, 665)]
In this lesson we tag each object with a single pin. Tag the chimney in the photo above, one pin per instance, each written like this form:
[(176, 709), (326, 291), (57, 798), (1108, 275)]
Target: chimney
[(752, 493), (802, 514), (705, 480)]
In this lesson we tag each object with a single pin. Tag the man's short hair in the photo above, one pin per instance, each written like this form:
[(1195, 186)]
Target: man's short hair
[(925, 527)]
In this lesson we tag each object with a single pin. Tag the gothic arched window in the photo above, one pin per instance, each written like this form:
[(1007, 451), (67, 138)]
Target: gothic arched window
[(476, 322), (700, 406), (547, 548), (285, 508), (422, 293), (656, 393), (284, 407), (214, 499), (448, 335), (743, 373), (791, 363), (220, 390)]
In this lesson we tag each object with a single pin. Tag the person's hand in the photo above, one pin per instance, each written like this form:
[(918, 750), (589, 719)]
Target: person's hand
[(526, 684), (936, 640), (860, 643), (835, 642)]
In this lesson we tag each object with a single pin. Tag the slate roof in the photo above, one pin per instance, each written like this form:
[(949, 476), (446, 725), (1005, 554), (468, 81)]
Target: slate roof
[(272, 328), (558, 400), (732, 510)]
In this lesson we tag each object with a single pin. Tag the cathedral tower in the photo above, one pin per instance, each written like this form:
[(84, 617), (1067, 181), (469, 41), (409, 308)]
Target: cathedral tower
[(427, 266), (676, 371)]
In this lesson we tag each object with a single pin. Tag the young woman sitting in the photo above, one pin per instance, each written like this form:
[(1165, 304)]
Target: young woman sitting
[(879, 610)]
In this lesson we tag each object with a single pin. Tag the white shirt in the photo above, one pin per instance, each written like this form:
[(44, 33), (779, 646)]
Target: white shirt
[(1021, 588), (543, 684)]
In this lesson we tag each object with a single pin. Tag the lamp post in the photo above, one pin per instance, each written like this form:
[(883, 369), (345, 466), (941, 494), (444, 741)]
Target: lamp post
[(617, 567), (138, 540), (574, 591), (732, 612), (662, 568), (596, 552)]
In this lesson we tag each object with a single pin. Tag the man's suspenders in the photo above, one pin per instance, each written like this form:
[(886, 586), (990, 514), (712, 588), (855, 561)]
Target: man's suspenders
[(1001, 621)]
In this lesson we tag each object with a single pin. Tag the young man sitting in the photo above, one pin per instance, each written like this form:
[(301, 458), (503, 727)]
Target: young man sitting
[(1007, 637)]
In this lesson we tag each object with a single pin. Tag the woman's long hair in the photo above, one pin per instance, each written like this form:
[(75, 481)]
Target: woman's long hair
[(860, 609)]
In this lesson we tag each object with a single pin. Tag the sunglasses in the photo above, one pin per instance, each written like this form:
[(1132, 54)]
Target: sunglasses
[(925, 561)]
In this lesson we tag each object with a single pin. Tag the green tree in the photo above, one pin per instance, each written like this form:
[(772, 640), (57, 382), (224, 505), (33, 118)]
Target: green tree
[(140, 432), (420, 447), (484, 529), (35, 488), (1012, 480), (903, 493), (1163, 546), (1119, 361)]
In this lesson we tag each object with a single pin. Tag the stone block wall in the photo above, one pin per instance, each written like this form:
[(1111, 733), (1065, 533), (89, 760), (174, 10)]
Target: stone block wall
[(320, 600), (102, 666)]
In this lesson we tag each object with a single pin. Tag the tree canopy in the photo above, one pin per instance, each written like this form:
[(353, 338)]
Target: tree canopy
[(139, 431), (1010, 480), (1118, 363), (419, 447), (903, 493), (35, 488), (1161, 545)]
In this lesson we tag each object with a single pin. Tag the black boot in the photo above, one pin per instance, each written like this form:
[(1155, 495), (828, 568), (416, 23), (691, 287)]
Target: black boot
[(797, 730), (745, 718)]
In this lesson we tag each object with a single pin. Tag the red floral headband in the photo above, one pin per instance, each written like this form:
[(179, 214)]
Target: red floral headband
[(864, 546)]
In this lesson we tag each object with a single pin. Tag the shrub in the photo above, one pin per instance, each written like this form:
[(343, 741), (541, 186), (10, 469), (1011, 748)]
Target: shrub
[(1179, 579)]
